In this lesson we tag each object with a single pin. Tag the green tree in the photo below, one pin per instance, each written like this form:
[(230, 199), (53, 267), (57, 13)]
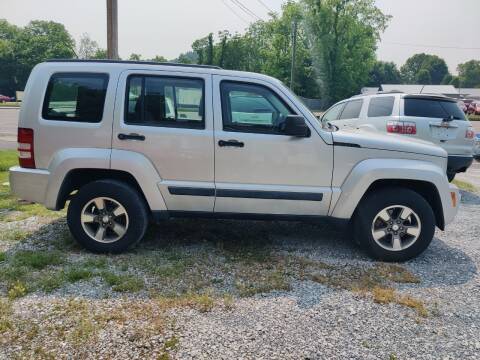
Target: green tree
[(344, 34), (159, 59), (436, 67), (423, 77), (100, 54), (384, 73), (469, 74), (28, 46), (189, 57), (135, 57)]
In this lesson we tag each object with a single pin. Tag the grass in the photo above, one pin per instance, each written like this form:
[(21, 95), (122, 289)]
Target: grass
[(37, 259), (376, 282), (465, 185), (123, 282), (474, 117), (10, 104)]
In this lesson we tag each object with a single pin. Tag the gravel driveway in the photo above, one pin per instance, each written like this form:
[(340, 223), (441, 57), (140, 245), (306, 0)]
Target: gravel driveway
[(310, 316)]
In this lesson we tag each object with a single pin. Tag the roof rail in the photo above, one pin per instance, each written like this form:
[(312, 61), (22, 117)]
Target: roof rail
[(133, 62), (379, 93)]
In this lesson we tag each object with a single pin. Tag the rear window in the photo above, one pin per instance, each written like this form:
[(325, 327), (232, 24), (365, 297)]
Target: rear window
[(352, 110), (432, 108), (76, 97), (381, 106)]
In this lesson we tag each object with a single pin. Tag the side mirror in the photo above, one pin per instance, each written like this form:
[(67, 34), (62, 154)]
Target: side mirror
[(294, 125)]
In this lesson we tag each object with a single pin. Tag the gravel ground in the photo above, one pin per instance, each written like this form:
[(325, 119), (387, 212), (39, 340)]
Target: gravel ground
[(310, 321)]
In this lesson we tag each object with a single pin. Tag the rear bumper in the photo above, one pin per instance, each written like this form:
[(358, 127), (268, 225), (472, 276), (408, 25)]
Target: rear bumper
[(458, 164), (29, 184)]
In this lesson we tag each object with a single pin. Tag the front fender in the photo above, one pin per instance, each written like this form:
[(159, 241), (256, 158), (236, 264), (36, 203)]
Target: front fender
[(368, 171)]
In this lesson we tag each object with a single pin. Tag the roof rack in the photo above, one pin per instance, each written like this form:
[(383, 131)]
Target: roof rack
[(134, 62), (379, 93)]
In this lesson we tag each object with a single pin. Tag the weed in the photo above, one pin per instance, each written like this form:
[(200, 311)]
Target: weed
[(17, 290), (14, 235), (51, 281), (413, 303), (465, 185), (228, 301), (3, 256), (383, 295), (5, 314)]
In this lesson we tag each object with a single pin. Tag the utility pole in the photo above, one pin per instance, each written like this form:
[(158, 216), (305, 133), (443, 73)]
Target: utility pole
[(294, 53), (112, 29)]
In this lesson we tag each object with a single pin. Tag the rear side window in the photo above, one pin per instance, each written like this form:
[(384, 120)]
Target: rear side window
[(352, 110), (381, 106), (432, 108), (165, 101), (78, 97)]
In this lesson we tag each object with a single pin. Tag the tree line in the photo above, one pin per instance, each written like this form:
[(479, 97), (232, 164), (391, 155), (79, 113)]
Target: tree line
[(335, 52)]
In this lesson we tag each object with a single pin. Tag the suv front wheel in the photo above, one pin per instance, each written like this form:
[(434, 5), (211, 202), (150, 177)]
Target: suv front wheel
[(107, 216), (394, 224)]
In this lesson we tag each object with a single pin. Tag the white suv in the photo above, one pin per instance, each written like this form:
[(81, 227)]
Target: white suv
[(434, 118), (125, 142)]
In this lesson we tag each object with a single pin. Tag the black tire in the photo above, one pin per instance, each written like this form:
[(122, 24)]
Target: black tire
[(375, 202), (124, 194), (451, 176)]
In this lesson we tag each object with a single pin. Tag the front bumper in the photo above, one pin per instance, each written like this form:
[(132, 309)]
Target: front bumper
[(458, 164), (29, 184), (451, 204)]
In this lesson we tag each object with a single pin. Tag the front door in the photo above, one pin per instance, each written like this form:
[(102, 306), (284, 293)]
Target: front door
[(167, 117), (259, 170)]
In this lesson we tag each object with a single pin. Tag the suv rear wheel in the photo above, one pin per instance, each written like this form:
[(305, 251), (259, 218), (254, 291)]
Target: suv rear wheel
[(394, 224), (107, 216)]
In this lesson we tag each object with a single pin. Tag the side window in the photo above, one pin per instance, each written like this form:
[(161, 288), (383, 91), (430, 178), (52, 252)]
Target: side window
[(165, 101), (352, 110), (251, 108), (333, 113), (433, 109), (78, 97), (381, 106)]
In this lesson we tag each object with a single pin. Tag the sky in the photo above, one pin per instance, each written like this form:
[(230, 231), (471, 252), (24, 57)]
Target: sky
[(447, 28)]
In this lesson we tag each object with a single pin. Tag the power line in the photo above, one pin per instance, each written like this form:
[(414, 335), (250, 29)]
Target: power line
[(233, 11), (246, 9), (429, 46), (265, 5)]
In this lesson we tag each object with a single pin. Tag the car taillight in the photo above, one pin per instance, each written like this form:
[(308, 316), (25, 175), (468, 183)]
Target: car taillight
[(402, 127), (26, 157), (470, 134)]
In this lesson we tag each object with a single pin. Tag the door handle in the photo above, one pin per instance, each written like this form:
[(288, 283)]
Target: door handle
[(131, 137), (232, 143)]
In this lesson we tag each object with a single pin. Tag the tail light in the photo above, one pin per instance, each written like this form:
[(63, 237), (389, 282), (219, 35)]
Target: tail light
[(26, 156), (402, 127), (470, 134)]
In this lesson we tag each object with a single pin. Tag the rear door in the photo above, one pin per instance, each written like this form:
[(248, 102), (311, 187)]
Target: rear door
[(167, 117), (439, 120)]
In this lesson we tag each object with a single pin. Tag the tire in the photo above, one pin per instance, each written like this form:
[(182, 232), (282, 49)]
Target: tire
[(123, 226), (451, 176), (397, 201)]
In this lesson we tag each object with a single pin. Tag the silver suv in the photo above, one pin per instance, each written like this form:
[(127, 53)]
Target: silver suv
[(434, 118), (125, 142)]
